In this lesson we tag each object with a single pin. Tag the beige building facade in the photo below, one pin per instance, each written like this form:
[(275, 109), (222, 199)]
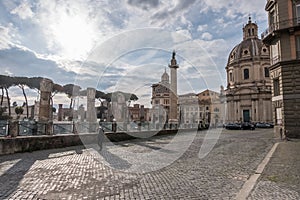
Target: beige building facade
[(248, 92), (283, 37), (160, 101), (203, 108)]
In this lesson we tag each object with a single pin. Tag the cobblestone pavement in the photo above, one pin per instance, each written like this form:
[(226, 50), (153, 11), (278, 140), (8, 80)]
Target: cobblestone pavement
[(281, 177), (84, 173)]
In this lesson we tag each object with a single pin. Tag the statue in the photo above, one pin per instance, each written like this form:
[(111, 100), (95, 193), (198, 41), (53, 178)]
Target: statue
[(174, 54), (173, 61)]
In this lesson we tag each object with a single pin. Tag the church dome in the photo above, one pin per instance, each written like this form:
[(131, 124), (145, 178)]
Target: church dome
[(165, 77), (251, 47)]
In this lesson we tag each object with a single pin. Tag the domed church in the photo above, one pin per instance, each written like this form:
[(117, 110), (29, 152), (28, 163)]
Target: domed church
[(248, 92)]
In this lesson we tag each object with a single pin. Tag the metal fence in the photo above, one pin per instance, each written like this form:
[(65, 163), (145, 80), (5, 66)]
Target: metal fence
[(3, 128), (32, 127), (63, 128), (26, 127)]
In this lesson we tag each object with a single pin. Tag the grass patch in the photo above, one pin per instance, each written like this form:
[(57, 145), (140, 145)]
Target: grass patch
[(273, 178)]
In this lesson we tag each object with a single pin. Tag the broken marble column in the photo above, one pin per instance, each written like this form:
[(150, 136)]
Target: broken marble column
[(91, 116), (45, 110)]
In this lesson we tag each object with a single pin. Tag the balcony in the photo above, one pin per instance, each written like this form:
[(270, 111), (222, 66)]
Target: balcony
[(281, 25)]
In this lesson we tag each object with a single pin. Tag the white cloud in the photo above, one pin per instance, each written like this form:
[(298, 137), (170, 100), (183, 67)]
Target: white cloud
[(202, 27), (23, 10), (185, 33), (233, 7), (131, 43), (206, 36), (4, 38)]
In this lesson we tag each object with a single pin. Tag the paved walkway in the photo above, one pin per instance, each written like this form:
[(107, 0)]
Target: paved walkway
[(281, 177), (122, 171)]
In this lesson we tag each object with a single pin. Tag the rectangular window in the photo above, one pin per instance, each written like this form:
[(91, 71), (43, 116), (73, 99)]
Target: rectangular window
[(230, 76), (246, 74), (275, 53), (272, 21), (298, 13), (267, 72), (276, 88), (298, 46), (278, 116)]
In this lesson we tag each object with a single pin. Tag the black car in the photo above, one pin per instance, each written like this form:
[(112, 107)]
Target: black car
[(264, 125), (248, 126), (233, 126)]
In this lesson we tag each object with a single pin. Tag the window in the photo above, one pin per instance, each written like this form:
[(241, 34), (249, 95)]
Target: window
[(278, 116), (264, 50), (274, 53), (298, 13), (267, 72), (246, 74), (276, 88), (230, 76), (272, 20), (216, 110), (298, 46)]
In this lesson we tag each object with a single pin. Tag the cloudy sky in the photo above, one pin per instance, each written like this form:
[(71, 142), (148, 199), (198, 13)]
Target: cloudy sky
[(122, 45)]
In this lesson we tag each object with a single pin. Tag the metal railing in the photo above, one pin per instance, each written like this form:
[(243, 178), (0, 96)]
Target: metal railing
[(3, 128), (284, 24), (63, 128), (32, 128)]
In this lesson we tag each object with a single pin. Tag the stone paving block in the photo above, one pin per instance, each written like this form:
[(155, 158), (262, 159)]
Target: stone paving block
[(65, 174)]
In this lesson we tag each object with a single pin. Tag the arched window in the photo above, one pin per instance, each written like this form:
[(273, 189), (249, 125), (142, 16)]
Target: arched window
[(246, 74), (230, 76)]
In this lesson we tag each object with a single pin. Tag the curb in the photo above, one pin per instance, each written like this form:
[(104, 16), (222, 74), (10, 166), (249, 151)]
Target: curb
[(250, 183)]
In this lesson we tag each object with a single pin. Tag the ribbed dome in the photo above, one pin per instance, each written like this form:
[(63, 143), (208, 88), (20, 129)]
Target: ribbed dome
[(249, 48)]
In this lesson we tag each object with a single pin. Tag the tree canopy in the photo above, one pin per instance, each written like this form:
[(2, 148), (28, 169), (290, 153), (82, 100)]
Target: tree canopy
[(71, 90)]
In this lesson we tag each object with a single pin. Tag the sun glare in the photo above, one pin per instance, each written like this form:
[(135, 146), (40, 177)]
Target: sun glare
[(74, 35)]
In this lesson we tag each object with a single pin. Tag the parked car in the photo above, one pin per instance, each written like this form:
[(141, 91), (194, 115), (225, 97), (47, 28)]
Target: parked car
[(264, 125), (220, 125), (233, 126), (248, 126)]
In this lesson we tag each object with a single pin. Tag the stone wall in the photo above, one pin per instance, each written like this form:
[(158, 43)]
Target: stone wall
[(291, 98), (34, 143)]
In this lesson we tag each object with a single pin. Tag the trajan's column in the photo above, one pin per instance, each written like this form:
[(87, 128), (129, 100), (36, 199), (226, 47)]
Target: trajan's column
[(173, 114)]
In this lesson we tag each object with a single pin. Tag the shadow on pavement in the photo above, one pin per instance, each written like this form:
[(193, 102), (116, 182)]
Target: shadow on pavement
[(114, 160), (14, 167)]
